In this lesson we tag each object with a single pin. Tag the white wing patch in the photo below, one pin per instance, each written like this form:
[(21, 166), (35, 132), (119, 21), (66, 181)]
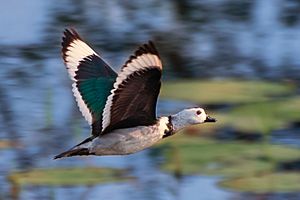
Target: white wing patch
[(75, 52), (82, 106), (140, 63)]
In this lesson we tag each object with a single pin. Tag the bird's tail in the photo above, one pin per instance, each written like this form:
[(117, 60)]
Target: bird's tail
[(80, 149), (73, 152)]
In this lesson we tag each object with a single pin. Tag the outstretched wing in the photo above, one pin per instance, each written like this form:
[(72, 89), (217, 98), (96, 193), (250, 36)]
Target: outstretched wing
[(132, 102), (92, 78)]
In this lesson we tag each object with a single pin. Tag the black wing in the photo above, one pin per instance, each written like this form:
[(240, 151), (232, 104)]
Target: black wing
[(133, 100), (92, 78)]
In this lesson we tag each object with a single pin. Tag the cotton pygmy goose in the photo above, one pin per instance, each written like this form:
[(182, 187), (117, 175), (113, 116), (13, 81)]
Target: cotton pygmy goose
[(120, 107)]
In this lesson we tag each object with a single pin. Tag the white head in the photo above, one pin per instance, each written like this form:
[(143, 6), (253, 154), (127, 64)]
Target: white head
[(190, 116)]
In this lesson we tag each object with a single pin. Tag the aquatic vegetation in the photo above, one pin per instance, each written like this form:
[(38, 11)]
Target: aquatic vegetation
[(245, 166), (224, 91), (265, 116), (265, 183), (256, 106), (208, 156), (68, 176)]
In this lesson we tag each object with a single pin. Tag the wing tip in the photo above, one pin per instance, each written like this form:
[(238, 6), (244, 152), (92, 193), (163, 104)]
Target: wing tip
[(69, 35), (147, 48), (143, 49)]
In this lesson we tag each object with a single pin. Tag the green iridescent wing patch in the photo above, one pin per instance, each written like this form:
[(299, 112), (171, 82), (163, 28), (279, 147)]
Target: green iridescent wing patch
[(92, 76)]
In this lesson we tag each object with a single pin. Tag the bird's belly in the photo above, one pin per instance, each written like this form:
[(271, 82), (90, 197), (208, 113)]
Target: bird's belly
[(126, 141)]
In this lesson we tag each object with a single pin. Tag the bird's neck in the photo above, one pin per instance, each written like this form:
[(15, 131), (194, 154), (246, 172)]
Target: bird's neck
[(173, 123), (177, 122)]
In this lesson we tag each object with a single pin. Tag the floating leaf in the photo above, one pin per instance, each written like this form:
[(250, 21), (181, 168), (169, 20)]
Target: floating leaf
[(224, 91), (265, 183), (68, 176), (231, 158)]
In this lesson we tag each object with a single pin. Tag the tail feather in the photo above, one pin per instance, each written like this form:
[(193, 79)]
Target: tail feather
[(74, 152), (80, 149)]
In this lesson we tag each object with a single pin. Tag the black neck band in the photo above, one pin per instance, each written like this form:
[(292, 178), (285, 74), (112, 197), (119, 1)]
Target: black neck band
[(170, 130)]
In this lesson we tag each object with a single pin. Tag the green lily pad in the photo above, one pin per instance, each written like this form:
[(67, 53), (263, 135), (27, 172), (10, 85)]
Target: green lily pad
[(224, 91), (68, 176), (265, 116), (265, 183), (256, 108), (191, 155)]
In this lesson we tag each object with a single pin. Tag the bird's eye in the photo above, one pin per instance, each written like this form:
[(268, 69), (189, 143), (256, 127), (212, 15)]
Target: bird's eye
[(198, 112)]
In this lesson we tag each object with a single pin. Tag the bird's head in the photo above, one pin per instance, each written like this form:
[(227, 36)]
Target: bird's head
[(194, 116), (190, 116)]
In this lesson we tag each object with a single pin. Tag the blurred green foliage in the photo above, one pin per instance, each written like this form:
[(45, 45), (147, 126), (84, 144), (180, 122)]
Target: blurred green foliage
[(67, 176), (254, 107), (234, 158), (266, 183), (237, 161), (265, 116), (224, 91)]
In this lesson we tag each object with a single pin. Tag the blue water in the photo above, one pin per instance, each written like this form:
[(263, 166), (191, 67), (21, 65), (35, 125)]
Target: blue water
[(38, 109)]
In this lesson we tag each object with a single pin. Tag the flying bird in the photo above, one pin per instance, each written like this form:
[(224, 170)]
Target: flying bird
[(120, 107)]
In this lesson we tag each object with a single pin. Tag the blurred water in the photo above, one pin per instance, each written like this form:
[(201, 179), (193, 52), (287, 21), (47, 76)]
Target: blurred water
[(36, 103), (18, 26)]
